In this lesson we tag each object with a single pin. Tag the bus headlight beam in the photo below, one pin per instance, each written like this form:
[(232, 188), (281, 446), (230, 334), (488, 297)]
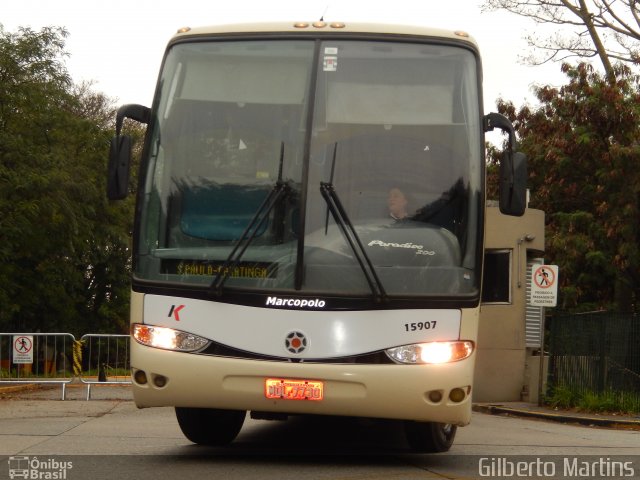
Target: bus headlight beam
[(167, 338), (431, 353)]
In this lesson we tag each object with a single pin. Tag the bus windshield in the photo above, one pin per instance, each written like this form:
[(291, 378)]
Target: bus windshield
[(339, 167)]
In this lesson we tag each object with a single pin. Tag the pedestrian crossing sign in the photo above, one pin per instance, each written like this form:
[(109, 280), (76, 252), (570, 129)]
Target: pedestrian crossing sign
[(544, 286), (22, 349)]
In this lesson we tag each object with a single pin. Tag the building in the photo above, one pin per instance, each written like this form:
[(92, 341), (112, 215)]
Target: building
[(507, 363)]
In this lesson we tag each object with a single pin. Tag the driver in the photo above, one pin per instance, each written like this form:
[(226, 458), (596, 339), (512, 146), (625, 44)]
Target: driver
[(397, 203)]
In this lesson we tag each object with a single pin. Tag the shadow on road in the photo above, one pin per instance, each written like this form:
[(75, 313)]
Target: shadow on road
[(302, 435)]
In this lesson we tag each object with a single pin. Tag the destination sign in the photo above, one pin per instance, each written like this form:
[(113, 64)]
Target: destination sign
[(212, 268)]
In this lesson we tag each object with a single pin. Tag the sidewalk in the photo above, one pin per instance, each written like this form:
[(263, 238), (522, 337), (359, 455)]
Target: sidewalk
[(530, 410)]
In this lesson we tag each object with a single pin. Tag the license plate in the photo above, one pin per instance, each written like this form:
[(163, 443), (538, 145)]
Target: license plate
[(287, 389)]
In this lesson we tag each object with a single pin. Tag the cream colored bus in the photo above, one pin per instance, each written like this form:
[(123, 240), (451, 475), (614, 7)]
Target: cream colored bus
[(309, 226)]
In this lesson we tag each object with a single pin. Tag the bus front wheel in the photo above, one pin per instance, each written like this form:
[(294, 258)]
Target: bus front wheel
[(209, 426), (429, 437)]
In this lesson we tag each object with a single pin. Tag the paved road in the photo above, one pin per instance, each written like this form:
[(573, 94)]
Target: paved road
[(108, 437)]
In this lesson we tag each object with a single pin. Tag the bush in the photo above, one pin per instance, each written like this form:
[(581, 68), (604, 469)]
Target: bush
[(562, 397), (610, 401)]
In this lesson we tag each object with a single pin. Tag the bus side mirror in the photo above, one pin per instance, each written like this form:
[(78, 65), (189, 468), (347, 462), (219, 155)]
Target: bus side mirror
[(118, 170), (120, 152), (513, 169), (513, 184)]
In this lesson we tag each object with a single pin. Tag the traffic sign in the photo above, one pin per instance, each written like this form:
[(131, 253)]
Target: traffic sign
[(544, 285), (23, 349)]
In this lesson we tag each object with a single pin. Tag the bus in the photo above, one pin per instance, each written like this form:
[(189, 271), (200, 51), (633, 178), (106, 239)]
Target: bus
[(309, 226)]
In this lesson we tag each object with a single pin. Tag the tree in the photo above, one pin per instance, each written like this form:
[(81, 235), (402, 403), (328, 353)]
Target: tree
[(31, 72), (583, 145), (607, 29), (63, 247)]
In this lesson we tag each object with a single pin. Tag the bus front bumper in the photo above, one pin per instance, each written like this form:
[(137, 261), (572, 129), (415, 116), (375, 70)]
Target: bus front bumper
[(374, 391)]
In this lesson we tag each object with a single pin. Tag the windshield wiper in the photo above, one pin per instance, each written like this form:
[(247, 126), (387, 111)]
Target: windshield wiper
[(279, 191), (341, 218)]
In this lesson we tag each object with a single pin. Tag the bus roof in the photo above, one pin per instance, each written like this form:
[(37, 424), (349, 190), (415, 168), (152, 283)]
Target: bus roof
[(329, 28)]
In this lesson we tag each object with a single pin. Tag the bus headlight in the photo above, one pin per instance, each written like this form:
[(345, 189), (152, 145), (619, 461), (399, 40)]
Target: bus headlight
[(432, 352), (167, 338)]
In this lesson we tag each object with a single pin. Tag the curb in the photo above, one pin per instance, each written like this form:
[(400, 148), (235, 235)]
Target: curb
[(71, 385), (18, 388), (556, 417)]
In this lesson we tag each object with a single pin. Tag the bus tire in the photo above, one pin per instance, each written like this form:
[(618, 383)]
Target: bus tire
[(429, 437), (209, 426)]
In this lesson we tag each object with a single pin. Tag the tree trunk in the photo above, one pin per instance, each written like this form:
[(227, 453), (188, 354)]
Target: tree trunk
[(587, 18)]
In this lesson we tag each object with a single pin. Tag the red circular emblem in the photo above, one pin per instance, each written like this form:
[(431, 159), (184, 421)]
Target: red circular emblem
[(295, 342)]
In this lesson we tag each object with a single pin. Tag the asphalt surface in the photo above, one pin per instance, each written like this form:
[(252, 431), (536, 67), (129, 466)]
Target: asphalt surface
[(80, 391), (107, 437)]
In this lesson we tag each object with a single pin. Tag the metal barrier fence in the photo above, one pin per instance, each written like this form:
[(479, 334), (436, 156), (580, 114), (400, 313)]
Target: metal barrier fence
[(60, 359), (595, 353), (37, 358), (107, 360)]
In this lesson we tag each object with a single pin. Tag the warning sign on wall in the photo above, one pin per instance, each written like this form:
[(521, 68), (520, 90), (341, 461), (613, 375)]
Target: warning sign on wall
[(23, 349), (544, 285)]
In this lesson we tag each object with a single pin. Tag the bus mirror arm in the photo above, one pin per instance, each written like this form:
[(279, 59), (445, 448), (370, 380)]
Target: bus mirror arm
[(497, 120), (139, 113), (120, 151), (513, 169)]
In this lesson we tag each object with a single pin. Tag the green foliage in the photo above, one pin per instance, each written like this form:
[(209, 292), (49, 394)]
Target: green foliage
[(599, 402), (564, 397), (64, 259), (583, 145)]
